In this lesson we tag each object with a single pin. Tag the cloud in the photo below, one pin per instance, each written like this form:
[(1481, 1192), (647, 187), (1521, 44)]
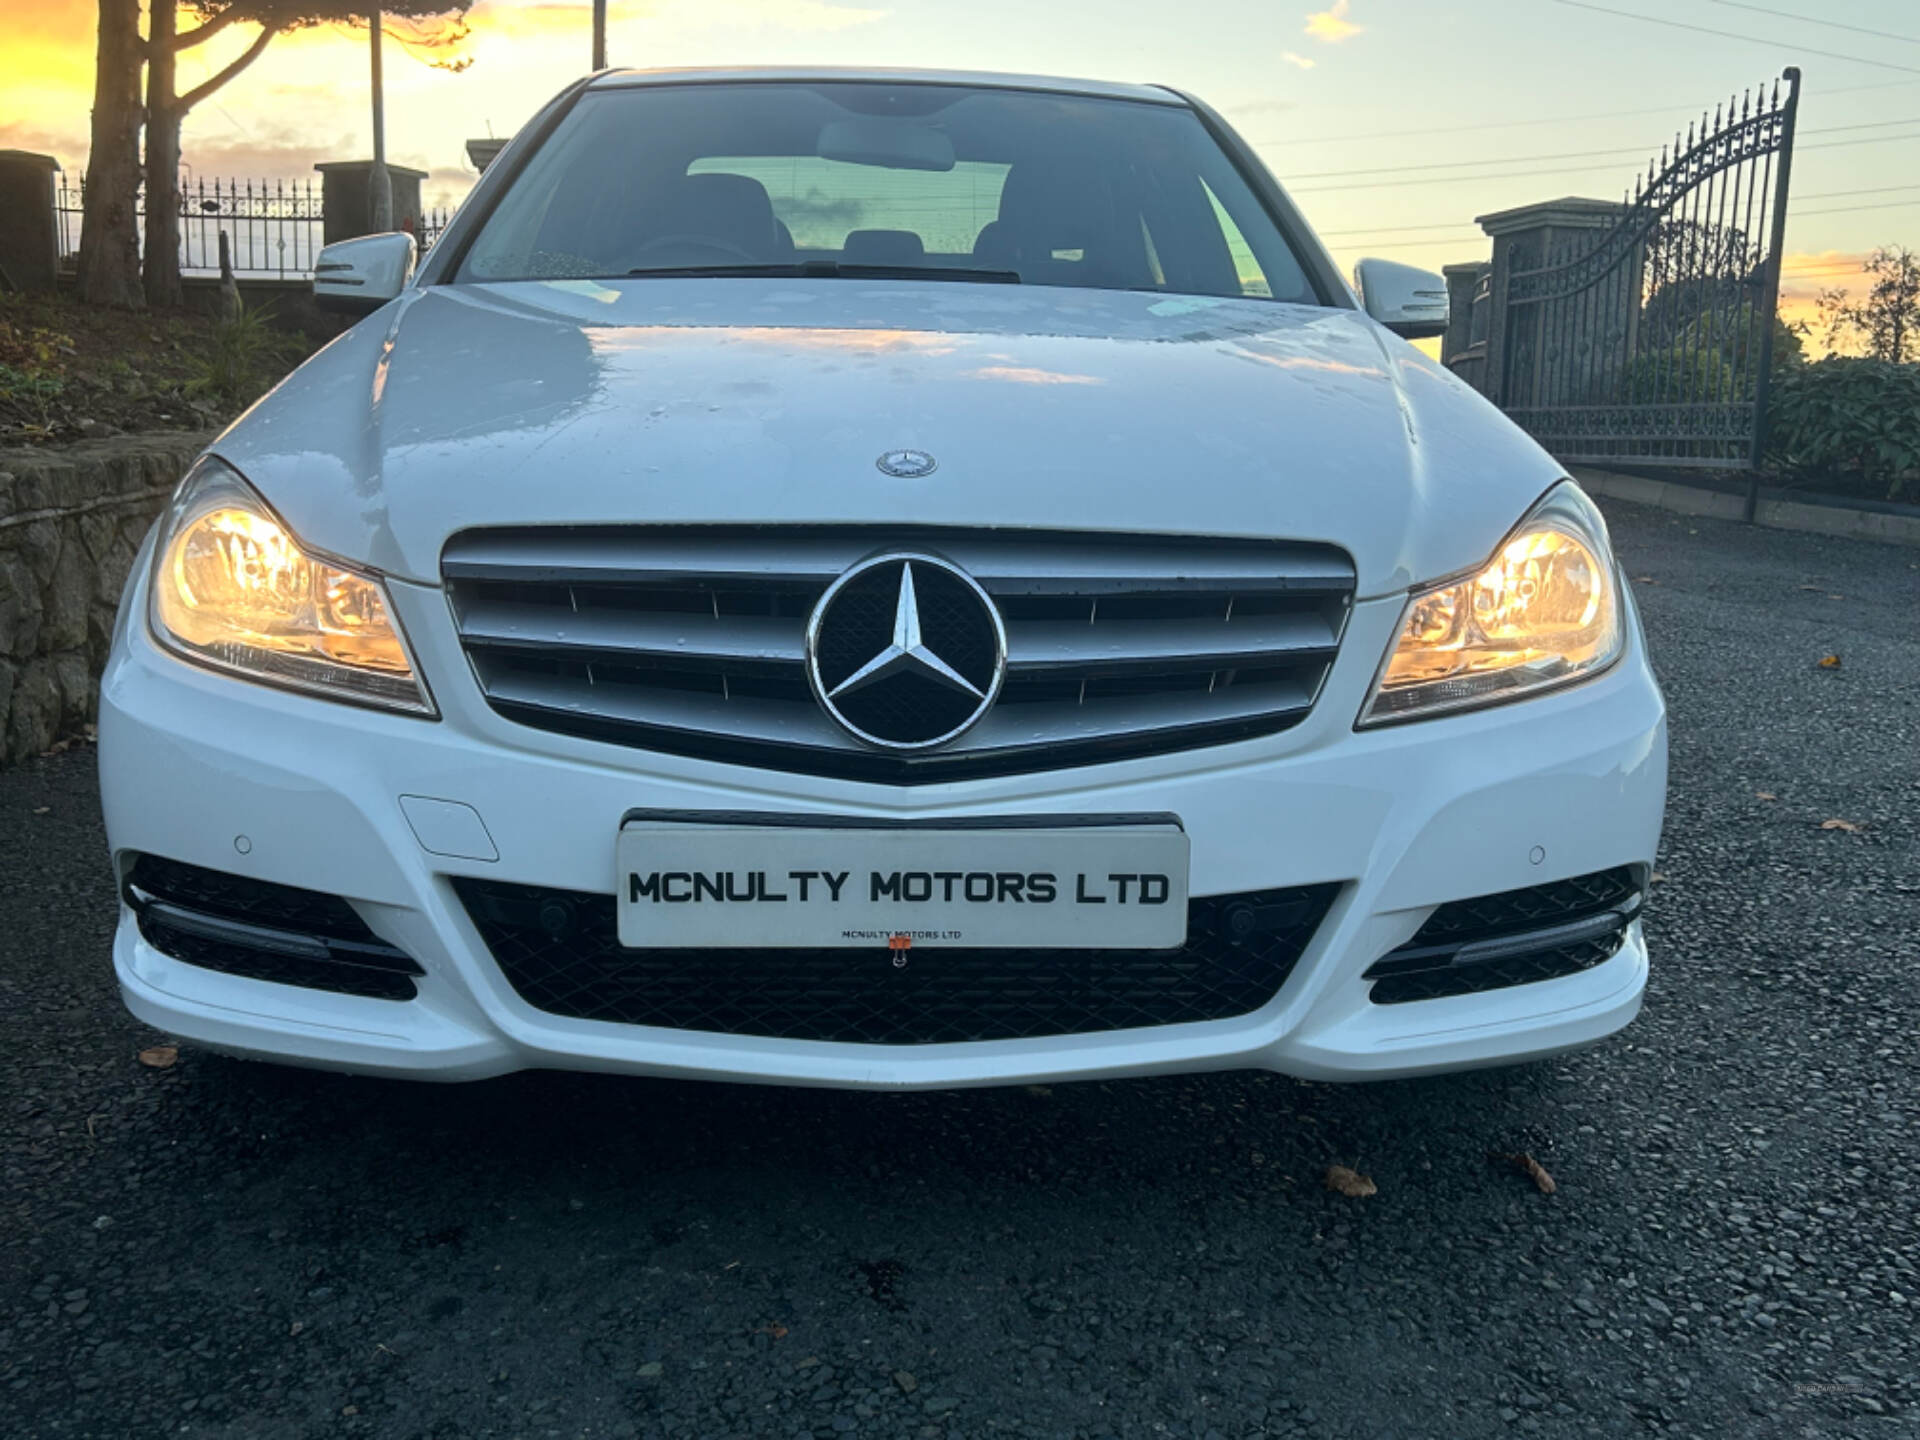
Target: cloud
[(1807, 272), (1805, 275), (63, 21), (1331, 25), (69, 147), (1263, 107), (1299, 62), (800, 14), (282, 147), (555, 18)]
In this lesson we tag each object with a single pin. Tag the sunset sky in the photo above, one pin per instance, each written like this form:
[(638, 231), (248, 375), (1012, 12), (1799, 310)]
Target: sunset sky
[(1394, 122)]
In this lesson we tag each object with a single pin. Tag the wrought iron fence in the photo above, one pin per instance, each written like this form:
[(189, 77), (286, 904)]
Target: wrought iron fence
[(274, 227), (1651, 341), (433, 219)]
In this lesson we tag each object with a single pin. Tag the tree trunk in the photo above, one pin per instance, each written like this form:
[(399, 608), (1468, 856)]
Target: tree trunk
[(109, 238), (162, 262)]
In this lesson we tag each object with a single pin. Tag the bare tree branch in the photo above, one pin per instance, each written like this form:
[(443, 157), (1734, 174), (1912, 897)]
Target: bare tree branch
[(213, 82), (208, 29)]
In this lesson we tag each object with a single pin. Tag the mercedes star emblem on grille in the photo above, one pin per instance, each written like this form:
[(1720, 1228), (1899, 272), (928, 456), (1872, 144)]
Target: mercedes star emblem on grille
[(906, 652), (907, 464)]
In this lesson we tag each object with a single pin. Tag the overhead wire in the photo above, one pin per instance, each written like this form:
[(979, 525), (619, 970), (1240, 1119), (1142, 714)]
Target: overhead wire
[(1736, 35), (1565, 170), (1585, 154), (1817, 20), (1363, 236), (1425, 130)]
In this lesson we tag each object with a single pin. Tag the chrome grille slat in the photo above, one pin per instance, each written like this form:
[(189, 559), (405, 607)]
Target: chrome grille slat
[(534, 556), (1028, 727), (762, 722), (1077, 575), (1095, 648), (690, 640), (1012, 564), (1003, 731)]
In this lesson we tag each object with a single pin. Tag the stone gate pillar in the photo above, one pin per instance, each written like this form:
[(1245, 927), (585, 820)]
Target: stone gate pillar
[(345, 213), (1463, 349), (29, 227), (1526, 238)]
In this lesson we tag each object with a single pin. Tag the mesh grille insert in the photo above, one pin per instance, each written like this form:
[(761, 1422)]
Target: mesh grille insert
[(262, 931), (559, 951), (1440, 959)]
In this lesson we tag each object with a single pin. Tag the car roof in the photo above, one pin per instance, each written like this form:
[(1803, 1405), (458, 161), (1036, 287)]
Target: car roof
[(980, 79)]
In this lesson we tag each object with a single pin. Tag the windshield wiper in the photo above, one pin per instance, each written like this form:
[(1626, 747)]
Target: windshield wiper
[(836, 270)]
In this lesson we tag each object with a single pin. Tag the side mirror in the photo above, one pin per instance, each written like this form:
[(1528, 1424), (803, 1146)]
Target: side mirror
[(359, 276), (1411, 303)]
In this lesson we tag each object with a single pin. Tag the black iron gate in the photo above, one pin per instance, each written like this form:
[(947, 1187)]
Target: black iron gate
[(1650, 341)]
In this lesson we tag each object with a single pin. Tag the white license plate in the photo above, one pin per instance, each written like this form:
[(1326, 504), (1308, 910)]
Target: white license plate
[(742, 885)]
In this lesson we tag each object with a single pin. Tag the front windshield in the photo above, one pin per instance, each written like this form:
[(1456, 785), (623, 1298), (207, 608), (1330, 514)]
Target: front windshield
[(866, 179)]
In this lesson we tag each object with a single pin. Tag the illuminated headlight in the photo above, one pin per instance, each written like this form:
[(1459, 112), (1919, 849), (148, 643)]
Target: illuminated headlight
[(232, 589), (1543, 613)]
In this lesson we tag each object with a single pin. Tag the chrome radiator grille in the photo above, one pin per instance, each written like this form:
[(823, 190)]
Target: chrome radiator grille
[(691, 640)]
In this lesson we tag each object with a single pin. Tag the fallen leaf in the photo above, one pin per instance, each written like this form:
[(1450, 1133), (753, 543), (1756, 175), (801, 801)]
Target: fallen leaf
[(1829, 662), (1350, 1183), (1765, 795), (1534, 1171), (778, 1332), (159, 1057), (1846, 825)]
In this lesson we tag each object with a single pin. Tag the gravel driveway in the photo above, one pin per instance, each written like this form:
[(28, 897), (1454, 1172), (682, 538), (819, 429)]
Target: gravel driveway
[(224, 1250)]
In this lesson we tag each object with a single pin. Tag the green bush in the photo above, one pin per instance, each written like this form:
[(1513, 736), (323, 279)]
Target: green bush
[(1848, 423), (1685, 373)]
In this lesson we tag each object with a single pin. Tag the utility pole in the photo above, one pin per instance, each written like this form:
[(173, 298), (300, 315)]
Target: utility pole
[(599, 34), (379, 183)]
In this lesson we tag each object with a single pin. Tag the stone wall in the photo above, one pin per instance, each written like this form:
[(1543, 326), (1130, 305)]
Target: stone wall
[(70, 521)]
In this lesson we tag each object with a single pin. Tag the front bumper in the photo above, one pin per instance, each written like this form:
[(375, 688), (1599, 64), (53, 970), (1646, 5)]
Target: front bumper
[(214, 772)]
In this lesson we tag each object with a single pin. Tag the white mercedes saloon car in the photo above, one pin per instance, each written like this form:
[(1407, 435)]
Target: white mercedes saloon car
[(884, 579)]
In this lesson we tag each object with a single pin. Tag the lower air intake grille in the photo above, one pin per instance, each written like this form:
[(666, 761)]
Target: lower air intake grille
[(262, 931), (1514, 938), (691, 640), (559, 950)]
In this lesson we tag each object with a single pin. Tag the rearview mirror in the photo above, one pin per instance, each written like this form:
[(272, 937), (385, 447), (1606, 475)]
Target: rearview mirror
[(359, 276), (1411, 303), (878, 140)]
